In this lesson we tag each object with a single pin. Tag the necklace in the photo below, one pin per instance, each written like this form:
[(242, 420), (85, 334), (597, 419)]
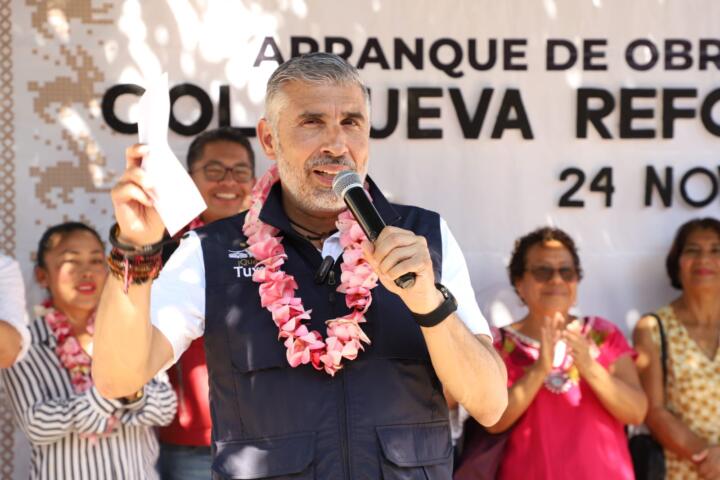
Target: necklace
[(564, 374), (345, 337), (315, 236), (73, 358)]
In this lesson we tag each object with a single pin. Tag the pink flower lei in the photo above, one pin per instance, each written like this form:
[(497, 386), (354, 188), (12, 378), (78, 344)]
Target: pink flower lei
[(277, 289), (72, 357)]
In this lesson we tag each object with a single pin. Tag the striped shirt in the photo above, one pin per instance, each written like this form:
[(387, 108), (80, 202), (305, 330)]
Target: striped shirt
[(59, 422)]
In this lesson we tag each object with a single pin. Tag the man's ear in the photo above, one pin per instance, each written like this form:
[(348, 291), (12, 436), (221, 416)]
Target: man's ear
[(517, 292), (41, 277), (266, 138)]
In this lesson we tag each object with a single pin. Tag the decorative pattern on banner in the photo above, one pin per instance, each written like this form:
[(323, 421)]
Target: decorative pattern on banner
[(62, 171), (7, 441), (81, 10), (7, 133), (53, 101), (7, 207)]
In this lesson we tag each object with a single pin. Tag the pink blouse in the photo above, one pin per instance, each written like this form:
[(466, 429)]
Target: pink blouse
[(565, 433)]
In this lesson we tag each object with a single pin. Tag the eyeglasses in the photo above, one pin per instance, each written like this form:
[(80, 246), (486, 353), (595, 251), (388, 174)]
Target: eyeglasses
[(693, 251), (544, 274), (216, 172)]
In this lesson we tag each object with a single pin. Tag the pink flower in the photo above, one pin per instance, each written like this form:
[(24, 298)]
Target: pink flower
[(338, 331), (265, 183), (264, 246), (361, 276), (351, 257), (288, 313), (273, 263), (297, 353), (333, 357), (266, 274), (315, 358), (356, 233), (277, 289), (71, 355), (272, 291), (350, 349), (70, 347), (82, 383), (358, 302), (299, 349), (313, 340)]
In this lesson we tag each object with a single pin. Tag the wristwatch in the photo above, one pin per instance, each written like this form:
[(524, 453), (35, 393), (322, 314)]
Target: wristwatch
[(133, 398), (448, 306)]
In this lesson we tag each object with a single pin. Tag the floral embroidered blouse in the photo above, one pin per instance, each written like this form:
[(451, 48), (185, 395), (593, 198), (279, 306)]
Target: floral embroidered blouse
[(566, 433)]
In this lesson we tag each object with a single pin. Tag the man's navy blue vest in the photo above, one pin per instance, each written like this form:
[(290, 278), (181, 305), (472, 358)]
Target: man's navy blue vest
[(383, 416)]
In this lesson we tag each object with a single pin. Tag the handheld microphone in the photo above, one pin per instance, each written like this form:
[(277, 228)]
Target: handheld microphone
[(347, 185)]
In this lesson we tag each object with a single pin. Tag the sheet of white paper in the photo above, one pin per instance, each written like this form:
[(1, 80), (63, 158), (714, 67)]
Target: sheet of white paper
[(177, 199)]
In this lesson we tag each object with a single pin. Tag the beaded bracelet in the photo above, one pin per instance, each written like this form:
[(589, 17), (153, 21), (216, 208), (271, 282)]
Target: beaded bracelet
[(135, 269)]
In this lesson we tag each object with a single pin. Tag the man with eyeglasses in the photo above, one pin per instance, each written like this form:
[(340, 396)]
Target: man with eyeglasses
[(221, 162)]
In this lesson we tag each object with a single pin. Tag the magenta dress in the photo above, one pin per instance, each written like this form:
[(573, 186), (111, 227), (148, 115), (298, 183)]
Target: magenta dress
[(565, 433)]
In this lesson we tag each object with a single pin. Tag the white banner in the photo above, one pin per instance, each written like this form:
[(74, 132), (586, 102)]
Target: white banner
[(483, 107)]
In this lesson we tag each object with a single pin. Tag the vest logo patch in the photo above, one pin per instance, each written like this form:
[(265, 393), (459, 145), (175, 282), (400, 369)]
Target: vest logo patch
[(245, 263)]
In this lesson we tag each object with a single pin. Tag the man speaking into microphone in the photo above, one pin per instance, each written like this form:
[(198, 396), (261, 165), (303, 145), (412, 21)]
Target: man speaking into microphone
[(332, 376)]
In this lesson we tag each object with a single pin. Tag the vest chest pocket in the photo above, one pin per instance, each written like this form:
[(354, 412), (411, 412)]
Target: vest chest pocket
[(279, 458), (258, 349), (236, 321), (416, 452)]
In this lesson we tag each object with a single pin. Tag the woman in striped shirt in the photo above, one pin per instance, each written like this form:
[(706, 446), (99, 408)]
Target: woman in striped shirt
[(76, 433)]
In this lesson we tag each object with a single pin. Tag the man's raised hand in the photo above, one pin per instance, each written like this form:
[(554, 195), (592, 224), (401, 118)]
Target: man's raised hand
[(132, 199)]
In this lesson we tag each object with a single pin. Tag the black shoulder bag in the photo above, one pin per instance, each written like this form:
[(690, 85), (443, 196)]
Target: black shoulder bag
[(482, 451), (647, 454)]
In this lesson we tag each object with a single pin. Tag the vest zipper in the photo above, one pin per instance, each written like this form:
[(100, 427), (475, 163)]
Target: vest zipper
[(331, 283), (344, 430)]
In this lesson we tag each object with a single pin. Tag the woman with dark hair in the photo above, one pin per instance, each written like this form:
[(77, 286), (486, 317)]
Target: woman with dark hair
[(684, 413), (74, 432), (572, 381)]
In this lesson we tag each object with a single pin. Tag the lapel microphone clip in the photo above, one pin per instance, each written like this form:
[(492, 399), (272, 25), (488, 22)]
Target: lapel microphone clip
[(325, 267)]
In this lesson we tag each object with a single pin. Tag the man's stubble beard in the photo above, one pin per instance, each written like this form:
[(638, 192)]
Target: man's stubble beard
[(296, 184)]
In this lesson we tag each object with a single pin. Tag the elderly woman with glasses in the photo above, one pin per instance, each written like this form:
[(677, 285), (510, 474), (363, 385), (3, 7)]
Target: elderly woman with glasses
[(572, 382), (684, 394)]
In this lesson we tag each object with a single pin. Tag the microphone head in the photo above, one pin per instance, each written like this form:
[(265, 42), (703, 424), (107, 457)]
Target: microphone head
[(344, 180)]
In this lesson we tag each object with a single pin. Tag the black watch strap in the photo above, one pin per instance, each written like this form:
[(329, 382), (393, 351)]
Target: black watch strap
[(448, 306)]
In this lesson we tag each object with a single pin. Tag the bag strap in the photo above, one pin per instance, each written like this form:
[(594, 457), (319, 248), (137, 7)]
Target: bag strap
[(663, 348)]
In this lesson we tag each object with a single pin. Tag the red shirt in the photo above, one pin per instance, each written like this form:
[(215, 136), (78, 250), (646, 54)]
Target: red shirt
[(189, 377), (565, 433), (192, 425)]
